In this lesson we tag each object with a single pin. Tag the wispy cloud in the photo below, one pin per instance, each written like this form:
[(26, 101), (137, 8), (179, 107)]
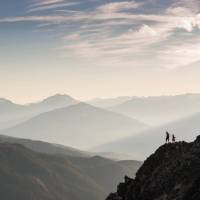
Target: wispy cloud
[(193, 5), (180, 54), (119, 6), (45, 2), (42, 5), (120, 30)]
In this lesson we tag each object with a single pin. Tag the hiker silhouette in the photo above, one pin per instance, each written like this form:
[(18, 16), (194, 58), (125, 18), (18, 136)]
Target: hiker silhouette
[(167, 137), (173, 138)]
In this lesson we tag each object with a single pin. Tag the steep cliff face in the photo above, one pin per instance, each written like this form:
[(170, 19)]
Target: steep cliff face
[(171, 173)]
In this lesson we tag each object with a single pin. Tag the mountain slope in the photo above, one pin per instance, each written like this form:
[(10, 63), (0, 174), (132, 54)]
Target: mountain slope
[(7, 106), (114, 156), (104, 103), (35, 176), (12, 114), (101, 170), (171, 173), (44, 147), (144, 143), (160, 110), (54, 149), (77, 126), (9, 113), (32, 176)]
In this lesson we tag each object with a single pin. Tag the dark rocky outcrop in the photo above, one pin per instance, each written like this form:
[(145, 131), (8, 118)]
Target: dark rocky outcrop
[(171, 173)]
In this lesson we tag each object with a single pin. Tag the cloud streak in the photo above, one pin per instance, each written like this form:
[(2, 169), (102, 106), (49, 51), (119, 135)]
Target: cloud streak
[(45, 5), (118, 6), (45, 2), (120, 30)]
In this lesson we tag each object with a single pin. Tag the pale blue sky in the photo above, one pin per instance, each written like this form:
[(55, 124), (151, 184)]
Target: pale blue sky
[(98, 48)]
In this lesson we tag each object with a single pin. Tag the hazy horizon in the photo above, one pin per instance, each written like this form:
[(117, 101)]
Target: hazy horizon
[(37, 100)]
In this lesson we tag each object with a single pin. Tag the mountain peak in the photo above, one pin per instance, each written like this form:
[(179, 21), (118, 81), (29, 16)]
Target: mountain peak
[(56, 101), (172, 172), (58, 97), (3, 100)]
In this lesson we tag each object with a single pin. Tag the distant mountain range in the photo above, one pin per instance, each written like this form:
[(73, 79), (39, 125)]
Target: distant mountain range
[(144, 143), (63, 120), (159, 110), (155, 110), (28, 175), (80, 125), (12, 114)]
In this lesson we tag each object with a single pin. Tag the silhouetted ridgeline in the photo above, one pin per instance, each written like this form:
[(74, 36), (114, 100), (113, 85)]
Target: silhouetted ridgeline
[(171, 173)]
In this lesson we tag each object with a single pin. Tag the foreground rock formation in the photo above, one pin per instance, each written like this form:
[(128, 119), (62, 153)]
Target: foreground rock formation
[(171, 173)]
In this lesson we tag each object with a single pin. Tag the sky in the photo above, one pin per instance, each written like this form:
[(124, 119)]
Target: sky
[(98, 48)]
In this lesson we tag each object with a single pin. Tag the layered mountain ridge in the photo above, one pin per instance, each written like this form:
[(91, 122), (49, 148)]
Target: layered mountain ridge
[(75, 125), (143, 144), (13, 114), (157, 110)]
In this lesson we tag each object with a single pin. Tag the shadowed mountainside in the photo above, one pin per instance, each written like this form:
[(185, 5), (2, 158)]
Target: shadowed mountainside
[(101, 170), (171, 173), (52, 149), (30, 175), (45, 147)]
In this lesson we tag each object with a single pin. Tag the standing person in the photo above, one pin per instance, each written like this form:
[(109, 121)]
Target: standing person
[(167, 137), (173, 138)]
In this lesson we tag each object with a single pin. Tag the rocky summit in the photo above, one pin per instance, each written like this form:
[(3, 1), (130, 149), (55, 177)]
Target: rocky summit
[(171, 173)]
